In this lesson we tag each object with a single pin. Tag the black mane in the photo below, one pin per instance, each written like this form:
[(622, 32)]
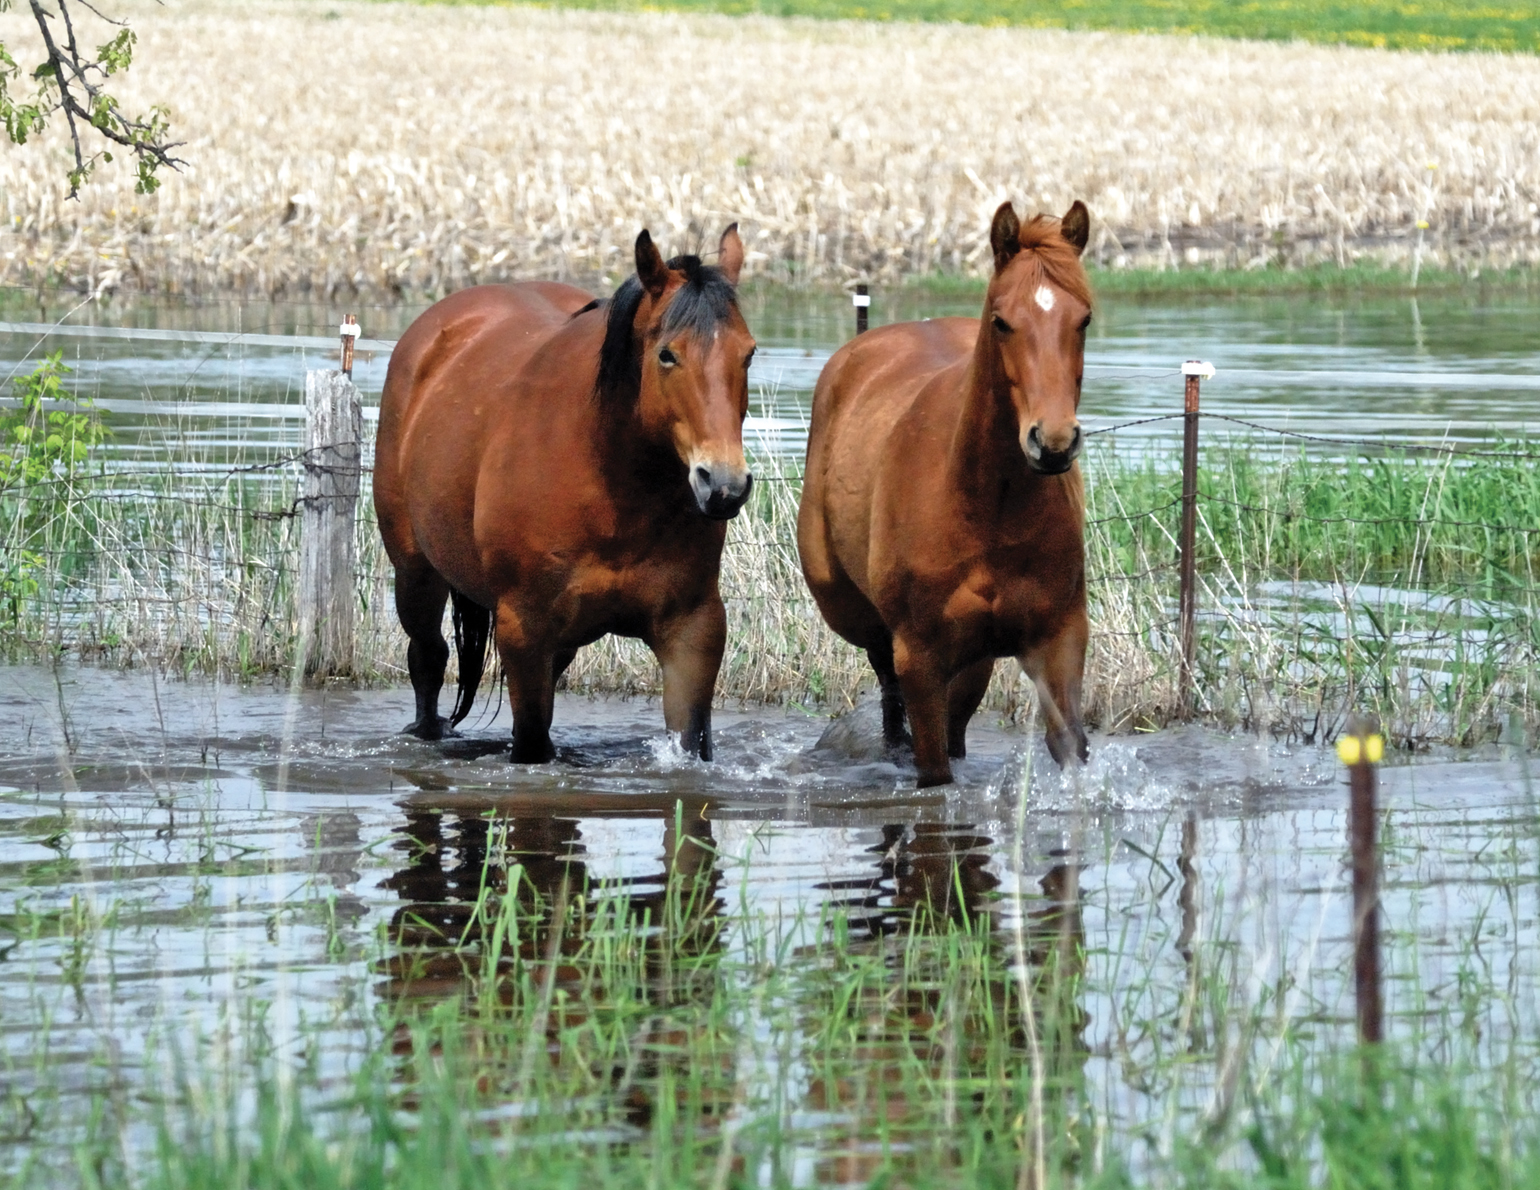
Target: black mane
[(704, 302)]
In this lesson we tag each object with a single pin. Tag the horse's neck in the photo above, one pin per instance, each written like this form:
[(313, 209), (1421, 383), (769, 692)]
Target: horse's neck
[(637, 470), (985, 446)]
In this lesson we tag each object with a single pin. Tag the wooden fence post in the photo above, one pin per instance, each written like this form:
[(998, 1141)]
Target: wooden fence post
[(1187, 598), (862, 302), (333, 439)]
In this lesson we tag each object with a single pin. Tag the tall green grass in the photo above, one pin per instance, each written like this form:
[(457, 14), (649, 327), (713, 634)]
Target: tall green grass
[(1432, 519)]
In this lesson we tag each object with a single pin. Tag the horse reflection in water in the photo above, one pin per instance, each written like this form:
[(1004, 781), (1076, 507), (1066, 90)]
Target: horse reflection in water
[(959, 1023), (451, 856), (936, 1002)]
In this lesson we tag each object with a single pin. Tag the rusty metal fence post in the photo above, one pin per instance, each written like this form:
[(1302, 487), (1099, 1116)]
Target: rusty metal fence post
[(862, 302), (349, 332), (1360, 748), (1187, 600)]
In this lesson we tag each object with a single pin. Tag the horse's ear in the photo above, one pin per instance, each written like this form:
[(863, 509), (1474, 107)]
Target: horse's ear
[(1003, 234), (650, 269), (730, 254), (1076, 226)]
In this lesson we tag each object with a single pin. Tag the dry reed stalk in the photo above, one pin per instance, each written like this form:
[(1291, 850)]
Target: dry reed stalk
[(403, 148)]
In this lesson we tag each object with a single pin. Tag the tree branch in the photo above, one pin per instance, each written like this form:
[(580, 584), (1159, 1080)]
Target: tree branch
[(76, 84)]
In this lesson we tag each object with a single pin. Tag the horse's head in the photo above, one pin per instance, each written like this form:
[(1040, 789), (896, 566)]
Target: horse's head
[(692, 387), (1036, 311)]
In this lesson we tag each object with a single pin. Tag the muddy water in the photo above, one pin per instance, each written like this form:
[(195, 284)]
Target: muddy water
[(172, 850)]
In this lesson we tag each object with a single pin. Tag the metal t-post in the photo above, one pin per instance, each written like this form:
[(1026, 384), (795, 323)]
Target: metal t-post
[(1187, 600)]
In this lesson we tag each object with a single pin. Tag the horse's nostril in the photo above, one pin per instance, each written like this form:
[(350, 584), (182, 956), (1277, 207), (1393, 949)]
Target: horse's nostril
[(703, 474), (1035, 436)]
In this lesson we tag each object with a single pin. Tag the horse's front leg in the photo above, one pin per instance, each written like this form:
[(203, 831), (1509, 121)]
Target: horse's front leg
[(689, 648), (527, 664), (1056, 666), (921, 677), (963, 698)]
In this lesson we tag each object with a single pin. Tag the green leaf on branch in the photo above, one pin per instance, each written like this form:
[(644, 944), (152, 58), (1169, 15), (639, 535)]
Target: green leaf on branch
[(117, 54)]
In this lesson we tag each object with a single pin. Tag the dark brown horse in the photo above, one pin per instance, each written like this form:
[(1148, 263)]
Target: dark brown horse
[(942, 515), (564, 468)]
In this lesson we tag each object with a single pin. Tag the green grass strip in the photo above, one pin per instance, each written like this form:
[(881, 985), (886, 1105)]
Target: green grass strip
[(1386, 24)]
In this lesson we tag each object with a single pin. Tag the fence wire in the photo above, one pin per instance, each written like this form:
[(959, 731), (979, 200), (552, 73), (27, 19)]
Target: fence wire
[(1470, 643)]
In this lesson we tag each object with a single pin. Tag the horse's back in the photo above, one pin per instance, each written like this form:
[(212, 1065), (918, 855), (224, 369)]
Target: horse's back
[(863, 392), (456, 367), (888, 365), (510, 320), (871, 382)]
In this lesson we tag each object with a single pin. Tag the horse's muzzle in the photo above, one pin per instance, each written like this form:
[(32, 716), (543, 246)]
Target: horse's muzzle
[(720, 490), (1046, 459)]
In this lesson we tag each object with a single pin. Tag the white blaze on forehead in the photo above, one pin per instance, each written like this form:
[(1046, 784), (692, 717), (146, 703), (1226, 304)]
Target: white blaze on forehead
[(1044, 297)]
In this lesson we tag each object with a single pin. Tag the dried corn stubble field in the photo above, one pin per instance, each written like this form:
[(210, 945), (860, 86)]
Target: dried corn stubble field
[(404, 148)]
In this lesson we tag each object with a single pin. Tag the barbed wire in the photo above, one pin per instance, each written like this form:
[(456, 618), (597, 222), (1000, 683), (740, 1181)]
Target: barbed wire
[(215, 474), (1134, 516), (1143, 421), (1289, 514), (1377, 444), (1116, 577), (1142, 631)]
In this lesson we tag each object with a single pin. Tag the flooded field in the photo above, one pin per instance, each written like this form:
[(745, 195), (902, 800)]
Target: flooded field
[(228, 379), (250, 935), (215, 898)]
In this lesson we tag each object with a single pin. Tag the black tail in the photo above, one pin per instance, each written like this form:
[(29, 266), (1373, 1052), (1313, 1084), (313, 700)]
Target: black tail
[(473, 637)]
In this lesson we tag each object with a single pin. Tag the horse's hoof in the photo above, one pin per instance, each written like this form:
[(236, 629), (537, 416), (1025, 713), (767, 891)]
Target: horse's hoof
[(930, 780), (532, 755), (436, 729)]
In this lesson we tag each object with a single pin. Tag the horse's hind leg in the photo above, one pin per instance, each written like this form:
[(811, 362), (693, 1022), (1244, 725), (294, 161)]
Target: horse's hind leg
[(421, 594), (963, 697), (880, 655), (1057, 668), (689, 648)]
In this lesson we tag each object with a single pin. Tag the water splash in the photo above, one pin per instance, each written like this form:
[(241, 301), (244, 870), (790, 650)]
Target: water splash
[(1113, 779)]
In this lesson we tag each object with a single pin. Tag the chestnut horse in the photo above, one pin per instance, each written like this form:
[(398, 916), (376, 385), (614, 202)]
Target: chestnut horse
[(564, 468), (942, 514)]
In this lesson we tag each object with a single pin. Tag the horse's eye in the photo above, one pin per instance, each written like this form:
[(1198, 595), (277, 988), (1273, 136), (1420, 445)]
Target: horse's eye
[(1084, 323), (667, 358), (749, 358), (1001, 325)]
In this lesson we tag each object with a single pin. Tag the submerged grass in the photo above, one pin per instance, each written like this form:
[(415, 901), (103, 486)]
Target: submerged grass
[(1017, 990), (533, 1029)]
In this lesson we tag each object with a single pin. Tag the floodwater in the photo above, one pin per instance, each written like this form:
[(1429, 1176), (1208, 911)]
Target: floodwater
[(261, 844), (230, 377), (255, 842)]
